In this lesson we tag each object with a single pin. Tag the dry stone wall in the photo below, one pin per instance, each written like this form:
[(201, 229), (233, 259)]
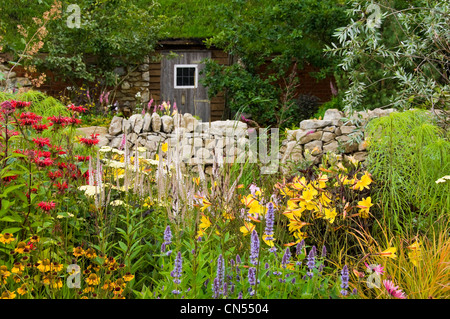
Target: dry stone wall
[(335, 133), (200, 142)]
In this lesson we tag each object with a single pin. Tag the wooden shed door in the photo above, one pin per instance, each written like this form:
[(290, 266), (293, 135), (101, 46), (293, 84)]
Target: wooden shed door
[(180, 82)]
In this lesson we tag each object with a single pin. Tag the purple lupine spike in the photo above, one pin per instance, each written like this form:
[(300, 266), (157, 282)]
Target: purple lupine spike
[(344, 280), (220, 270), (311, 264), (232, 289), (238, 259), (216, 288), (163, 247), (232, 263), (240, 295), (314, 250), (324, 251), (177, 272), (270, 218), (286, 257), (225, 288), (252, 276), (168, 235), (254, 248), (299, 247)]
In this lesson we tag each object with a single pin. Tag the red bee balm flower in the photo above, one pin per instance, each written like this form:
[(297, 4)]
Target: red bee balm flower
[(20, 104), (41, 127), (29, 118), (90, 141), (40, 142), (47, 206), (76, 109)]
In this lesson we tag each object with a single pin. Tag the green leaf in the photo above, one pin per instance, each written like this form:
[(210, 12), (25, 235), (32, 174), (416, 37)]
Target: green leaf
[(11, 230), (123, 246)]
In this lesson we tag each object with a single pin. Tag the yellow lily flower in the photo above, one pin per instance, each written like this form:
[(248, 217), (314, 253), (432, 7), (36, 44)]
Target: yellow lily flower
[(414, 254), (330, 214), (247, 228), (364, 182), (364, 206), (390, 252), (164, 147)]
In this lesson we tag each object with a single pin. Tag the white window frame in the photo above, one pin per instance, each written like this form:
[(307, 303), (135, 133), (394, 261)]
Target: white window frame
[(176, 66)]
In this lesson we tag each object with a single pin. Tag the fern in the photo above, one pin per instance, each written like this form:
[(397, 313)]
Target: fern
[(40, 103)]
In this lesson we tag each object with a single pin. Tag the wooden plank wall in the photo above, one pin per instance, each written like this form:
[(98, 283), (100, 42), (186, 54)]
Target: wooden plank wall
[(217, 103)]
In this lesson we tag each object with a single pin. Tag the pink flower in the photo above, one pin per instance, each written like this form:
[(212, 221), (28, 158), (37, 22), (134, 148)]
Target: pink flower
[(378, 269), (149, 105), (47, 206), (393, 290)]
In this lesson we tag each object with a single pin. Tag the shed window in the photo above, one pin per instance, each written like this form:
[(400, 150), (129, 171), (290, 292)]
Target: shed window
[(185, 76)]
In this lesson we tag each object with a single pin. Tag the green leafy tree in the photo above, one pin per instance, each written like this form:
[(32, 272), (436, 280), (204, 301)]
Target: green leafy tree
[(267, 38), (394, 53), (115, 32)]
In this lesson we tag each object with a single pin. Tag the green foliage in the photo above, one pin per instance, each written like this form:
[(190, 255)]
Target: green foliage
[(335, 103), (40, 102), (246, 92), (116, 32), (268, 40), (307, 105), (408, 153), (394, 54)]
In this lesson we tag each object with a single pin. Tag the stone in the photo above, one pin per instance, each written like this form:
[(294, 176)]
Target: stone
[(360, 156), (132, 137), (331, 147), (327, 137), (144, 67), (345, 142), (189, 122), (141, 84), (178, 121), (167, 123), (21, 82), (145, 96), (156, 122), (186, 153), (126, 126), (137, 122), (293, 152), (290, 134), (116, 141), (314, 124), (146, 76), (203, 154), (333, 114), (347, 129), (362, 146), (115, 127), (329, 129), (146, 125), (125, 85), (314, 147), (311, 137)]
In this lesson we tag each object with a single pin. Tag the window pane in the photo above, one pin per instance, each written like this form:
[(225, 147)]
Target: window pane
[(185, 76)]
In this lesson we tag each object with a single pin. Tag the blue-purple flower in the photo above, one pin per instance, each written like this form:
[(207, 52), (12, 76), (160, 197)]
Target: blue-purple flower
[(177, 271), (254, 248), (286, 258), (344, 280)]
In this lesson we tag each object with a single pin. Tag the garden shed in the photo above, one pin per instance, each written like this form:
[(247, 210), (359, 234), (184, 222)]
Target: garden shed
[(175, 77)]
